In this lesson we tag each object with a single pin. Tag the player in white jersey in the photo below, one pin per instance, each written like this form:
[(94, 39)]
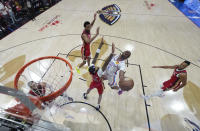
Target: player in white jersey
[(116, 64)]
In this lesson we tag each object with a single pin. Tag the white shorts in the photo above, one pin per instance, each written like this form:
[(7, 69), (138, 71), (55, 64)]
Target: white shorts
[(110, 77)]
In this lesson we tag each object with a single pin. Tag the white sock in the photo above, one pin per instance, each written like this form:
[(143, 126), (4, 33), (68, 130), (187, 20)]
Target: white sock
[(158, 93)]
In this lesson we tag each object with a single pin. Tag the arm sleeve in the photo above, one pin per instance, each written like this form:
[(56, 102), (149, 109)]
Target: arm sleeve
[(100, 72)]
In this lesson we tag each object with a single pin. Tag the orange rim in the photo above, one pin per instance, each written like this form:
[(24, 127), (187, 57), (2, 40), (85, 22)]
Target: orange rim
[(54, 94)]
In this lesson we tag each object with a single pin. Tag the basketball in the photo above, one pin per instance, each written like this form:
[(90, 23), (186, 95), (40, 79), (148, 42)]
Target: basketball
[(127, 84)]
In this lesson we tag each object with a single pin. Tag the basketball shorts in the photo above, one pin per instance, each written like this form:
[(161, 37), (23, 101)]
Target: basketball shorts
[(98, 86), (85, 53), (169, 84)]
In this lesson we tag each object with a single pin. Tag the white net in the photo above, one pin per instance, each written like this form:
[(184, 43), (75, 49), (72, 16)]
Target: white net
[(44, 77)]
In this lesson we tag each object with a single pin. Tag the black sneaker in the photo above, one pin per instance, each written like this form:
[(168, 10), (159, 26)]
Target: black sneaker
[(84, 95), (70, 99), (98, 107)]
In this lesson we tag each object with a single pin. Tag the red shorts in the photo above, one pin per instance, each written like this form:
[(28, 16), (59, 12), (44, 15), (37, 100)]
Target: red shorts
[(85, 53), (99, 87), (169, 84)]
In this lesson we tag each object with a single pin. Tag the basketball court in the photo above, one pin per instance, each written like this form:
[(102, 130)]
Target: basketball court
[(156, 35)]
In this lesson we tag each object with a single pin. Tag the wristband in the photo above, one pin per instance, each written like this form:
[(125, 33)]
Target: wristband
[(98, 51)]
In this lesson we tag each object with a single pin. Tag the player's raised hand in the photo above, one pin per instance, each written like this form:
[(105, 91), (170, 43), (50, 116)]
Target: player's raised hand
[(98, 12), (113, 48), (97, 31)]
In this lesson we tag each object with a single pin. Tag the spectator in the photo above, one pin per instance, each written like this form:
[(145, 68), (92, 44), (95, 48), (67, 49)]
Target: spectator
[(13, 6), (4, 13), (44, 5), (14, 13), (31, 11), (4, 27), (11, 13)]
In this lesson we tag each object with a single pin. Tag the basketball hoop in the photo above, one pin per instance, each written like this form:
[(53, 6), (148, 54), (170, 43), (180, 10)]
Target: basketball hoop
[(56, 72)]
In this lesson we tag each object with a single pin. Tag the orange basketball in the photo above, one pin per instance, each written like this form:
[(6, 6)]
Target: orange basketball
[(127, 84)]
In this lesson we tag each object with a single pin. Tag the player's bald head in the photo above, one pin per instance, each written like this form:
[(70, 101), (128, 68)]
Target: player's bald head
[(125, 54)]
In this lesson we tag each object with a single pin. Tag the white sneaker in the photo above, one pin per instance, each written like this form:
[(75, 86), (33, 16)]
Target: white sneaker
[(161, 95), (85, 96), (78, 70), (98, 107), (147, 97)]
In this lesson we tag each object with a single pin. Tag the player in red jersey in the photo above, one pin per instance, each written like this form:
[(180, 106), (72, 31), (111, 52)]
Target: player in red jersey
[(97, 81), (87, 39), (37, 89), (177, 81)]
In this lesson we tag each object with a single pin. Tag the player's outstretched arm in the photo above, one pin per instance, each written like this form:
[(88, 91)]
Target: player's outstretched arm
[(98, 51), (95, 16), (109, 58), (166, 67)]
